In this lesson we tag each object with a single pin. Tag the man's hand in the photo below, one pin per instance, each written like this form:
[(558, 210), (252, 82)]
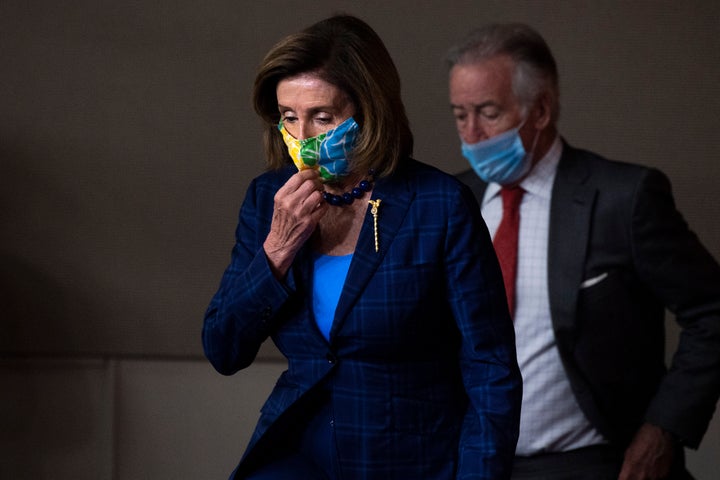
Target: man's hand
[(650, 454)]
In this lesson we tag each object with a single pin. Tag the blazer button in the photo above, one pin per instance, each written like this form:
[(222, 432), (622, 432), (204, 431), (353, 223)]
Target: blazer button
[(266, 313), (331, 358)]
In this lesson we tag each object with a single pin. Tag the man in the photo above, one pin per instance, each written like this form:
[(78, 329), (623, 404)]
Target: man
[(601, 252)]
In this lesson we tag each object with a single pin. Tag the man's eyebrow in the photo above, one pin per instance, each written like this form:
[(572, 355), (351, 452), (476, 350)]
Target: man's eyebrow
[(475, 106)]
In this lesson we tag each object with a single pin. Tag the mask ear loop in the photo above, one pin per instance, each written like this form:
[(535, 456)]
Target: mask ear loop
[(531, 153), (537, 132), (537, 137)]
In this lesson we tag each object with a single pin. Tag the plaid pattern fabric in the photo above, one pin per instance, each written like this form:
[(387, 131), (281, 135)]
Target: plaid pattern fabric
[(421, 328)]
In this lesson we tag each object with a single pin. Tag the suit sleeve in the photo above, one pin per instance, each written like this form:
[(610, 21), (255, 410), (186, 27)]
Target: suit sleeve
[(676, 267), (241, 313), (488, 360)]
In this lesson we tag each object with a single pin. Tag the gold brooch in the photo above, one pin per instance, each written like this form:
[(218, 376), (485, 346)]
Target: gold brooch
[(375, 204)]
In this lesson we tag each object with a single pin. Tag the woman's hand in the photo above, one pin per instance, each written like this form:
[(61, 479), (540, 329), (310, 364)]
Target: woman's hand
[(299, 206)]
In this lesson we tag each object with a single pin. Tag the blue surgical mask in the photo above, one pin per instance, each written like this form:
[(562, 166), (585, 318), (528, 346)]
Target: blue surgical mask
[(501, 159)]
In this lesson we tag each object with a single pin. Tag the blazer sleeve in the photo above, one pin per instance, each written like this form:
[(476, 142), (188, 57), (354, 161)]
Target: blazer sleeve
[(488, 360), (676, 267), (241, 313)]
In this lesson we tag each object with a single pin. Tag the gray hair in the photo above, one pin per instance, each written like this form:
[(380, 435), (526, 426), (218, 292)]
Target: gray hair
[(535, 70)]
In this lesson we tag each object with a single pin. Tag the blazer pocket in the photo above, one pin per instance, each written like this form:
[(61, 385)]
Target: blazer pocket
[(604, 292), (593, 281)]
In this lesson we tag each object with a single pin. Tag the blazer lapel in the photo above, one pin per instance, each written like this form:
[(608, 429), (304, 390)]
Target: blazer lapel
[(395, 199), (477, 186), (570, 217)]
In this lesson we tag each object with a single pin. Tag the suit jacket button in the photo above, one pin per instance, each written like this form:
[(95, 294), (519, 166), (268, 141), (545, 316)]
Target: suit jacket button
[(331, 358)]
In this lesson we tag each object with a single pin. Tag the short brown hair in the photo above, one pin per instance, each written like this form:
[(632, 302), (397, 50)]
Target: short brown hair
[(344, 51)]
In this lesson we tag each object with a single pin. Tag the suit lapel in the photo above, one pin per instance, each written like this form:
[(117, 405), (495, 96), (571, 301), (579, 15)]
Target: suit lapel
[(572, 203), (570, 218), (395, 202)]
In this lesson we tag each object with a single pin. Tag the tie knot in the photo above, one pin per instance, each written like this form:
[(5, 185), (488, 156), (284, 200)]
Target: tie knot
[(511, 197)]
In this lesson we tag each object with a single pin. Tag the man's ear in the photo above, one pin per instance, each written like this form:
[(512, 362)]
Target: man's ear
[(542, 113)]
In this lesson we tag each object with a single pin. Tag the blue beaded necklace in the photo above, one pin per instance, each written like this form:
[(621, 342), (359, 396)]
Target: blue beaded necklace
[(349, 197)]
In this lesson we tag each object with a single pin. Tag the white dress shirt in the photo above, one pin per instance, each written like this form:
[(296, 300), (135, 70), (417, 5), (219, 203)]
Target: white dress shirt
[(551, 419)]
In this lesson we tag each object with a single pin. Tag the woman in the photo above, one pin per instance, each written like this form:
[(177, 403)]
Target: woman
[(375, 277)]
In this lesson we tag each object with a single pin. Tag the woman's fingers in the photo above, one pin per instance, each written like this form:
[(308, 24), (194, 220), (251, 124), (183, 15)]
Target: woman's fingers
[(298, 208)]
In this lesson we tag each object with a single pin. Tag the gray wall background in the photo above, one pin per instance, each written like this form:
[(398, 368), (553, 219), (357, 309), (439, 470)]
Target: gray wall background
[(127, 140)]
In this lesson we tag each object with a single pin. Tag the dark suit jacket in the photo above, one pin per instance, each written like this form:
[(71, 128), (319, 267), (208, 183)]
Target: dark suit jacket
[(421, 327), (617, 223)]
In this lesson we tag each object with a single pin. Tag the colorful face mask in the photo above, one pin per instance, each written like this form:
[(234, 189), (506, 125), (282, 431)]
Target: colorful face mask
[(327, 153)]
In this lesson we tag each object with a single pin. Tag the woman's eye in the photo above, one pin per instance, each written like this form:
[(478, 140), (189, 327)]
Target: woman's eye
[(287, 117)]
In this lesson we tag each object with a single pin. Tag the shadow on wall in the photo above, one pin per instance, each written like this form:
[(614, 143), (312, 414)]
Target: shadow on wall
[(42, 312), (55, 419), (54, 410), (34, 310)]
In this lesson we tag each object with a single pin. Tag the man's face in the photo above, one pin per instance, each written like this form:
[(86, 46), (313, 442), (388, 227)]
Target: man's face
[(482, 99)]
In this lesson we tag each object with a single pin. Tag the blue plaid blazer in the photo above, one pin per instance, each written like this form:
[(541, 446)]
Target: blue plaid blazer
[(421, 357)]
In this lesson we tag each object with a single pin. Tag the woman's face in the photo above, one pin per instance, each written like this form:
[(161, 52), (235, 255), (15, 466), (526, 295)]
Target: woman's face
[(310, 106)]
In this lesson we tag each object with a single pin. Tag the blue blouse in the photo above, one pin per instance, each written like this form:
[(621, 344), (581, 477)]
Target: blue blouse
[(329, 273)]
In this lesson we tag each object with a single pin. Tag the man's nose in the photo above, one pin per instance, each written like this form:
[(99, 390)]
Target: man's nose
[(474, 130)]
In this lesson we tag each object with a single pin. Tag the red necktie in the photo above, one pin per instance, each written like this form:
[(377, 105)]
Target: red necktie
[(506, 240)]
